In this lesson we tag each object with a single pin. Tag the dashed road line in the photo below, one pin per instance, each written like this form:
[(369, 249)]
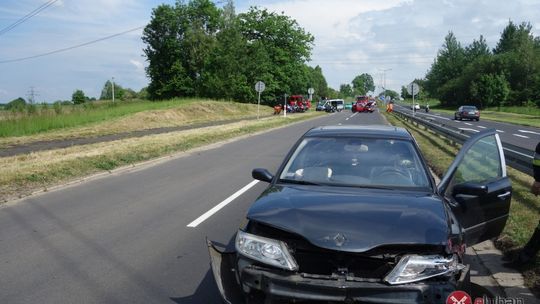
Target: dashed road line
[(468, 124), (481, 127), (530, 132), (224, 203), (522, 136), (500, 131)]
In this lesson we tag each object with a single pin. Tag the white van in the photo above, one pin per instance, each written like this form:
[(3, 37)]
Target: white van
[(338, 103)]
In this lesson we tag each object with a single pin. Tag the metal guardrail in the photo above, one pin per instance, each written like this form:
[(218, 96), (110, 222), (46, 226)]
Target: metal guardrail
[(516, 157)]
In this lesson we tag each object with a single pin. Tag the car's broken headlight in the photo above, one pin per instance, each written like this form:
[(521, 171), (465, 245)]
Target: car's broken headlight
[(265, 250), (413, 268)]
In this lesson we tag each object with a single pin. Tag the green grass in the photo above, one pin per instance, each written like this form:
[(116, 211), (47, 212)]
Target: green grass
[(18, 124), (525, 207)]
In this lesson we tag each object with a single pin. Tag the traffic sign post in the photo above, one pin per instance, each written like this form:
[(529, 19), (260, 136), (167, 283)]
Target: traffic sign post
[(259, 87), (310, 92), (285, 106), (413, 89)]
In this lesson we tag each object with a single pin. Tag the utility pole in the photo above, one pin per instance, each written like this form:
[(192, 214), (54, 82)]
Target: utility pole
[(384, 78), (32, 95), (285, 106), (113, 89)]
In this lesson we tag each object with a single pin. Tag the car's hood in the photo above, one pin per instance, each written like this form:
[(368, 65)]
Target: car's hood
[(354, 220)]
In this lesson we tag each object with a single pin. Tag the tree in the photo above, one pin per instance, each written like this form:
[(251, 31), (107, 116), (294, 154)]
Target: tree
[(362, 84), (106, 92), (493, 89), (78, 97), (345, 90), (447, 67), (16, 105)]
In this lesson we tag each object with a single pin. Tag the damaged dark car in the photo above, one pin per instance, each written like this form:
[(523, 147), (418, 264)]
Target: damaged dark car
[(353, 215)]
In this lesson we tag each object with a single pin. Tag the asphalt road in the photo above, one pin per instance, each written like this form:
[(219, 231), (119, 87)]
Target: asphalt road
[(521, 136), (125, 238)]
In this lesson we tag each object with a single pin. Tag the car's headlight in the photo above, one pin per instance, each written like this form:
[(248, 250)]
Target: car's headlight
[(413, 268), (265, 250)]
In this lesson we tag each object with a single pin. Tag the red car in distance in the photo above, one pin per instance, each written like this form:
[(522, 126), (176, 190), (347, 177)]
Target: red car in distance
[(363, 104)]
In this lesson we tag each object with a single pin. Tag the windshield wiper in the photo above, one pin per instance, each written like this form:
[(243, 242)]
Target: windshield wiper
[(299, 182), (367, 186)]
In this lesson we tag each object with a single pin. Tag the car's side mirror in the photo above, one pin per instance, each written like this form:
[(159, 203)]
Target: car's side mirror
[(262, 175), (470, 189)]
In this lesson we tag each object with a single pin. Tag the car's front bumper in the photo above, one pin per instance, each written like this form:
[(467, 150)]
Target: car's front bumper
[(234, 284)]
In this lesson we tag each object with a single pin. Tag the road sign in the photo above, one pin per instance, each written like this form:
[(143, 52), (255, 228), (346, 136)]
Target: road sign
[(413, 88), (311, 91), (260, 86)]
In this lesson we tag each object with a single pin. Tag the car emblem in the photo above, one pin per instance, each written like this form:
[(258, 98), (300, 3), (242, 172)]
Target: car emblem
[(339, 239)]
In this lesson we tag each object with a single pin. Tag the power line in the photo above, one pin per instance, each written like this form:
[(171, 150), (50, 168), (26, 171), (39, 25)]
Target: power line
[(27, 16), (71, 47)]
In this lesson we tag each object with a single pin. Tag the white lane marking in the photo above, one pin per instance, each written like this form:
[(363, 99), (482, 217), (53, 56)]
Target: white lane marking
[(468, 124), (481, 127), (500, 131), (347, 118), (468, 129), (224, 203), (353, 115), (339, 124), (527, 131), (522, 136)]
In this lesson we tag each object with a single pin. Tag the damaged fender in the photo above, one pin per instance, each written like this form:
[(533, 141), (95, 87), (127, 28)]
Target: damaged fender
[(224, 270)]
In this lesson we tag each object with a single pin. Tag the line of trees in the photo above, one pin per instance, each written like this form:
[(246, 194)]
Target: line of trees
[(360, 85), (196, 49), (507, 75)]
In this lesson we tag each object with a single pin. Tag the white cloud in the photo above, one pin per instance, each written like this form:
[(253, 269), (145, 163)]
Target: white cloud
[(138, 65)]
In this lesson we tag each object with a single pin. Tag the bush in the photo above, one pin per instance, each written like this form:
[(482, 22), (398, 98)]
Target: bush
[(16, 105), (31, 109), (57, 106)]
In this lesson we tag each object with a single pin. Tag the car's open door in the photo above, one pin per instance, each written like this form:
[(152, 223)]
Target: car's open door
[(477, 189)]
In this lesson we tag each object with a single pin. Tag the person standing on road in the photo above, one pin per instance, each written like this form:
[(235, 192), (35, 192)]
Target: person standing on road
[(528, 253)]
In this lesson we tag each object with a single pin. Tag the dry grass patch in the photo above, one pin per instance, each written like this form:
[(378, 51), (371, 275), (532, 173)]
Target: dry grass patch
[(184, 114)]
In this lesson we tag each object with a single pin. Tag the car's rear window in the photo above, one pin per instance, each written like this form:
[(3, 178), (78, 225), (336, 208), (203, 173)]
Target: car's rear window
[(345, 161), (469, 108)]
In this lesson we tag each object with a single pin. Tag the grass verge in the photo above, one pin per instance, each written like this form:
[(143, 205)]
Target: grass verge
[(123, 118), (23, 174), (524, 210)]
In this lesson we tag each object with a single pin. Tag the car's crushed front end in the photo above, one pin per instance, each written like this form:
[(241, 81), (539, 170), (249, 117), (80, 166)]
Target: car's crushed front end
[(291, 269)]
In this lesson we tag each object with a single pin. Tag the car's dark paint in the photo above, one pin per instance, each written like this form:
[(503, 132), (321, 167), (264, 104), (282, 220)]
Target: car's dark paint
[(367, 218), (440, 218)]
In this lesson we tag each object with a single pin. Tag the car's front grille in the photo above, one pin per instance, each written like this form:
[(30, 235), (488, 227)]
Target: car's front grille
[(319, 261)]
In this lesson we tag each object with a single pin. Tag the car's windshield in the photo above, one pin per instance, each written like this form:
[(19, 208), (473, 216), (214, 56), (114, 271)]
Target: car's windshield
[(357, 162)]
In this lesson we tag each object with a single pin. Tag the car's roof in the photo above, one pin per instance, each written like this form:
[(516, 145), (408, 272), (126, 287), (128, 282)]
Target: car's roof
[(379, 131)]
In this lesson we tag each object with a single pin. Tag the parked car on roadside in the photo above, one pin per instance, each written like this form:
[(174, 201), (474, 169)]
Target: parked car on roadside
[(467, 112), (354, 215), (363, 104), (339, 104)]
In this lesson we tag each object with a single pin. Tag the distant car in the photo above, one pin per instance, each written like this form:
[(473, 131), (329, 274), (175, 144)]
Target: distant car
[(415, 107), (348, 106), (467, 112), (321, 105), (353, 215), (363, 104)]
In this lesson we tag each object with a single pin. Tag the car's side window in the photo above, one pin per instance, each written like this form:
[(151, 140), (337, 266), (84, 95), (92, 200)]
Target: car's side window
[(481, 163)]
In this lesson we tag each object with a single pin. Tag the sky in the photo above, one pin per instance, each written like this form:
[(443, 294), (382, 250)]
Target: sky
[(393, 40)]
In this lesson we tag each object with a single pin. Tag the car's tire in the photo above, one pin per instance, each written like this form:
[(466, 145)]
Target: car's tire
[(455, 117), (478, 119), (460, 118)]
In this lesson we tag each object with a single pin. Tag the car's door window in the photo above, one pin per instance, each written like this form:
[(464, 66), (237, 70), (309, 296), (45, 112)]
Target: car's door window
[(481, 163)]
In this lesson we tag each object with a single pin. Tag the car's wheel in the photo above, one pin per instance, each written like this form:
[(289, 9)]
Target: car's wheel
[(460, 118), (478, 119), (455, 117)]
